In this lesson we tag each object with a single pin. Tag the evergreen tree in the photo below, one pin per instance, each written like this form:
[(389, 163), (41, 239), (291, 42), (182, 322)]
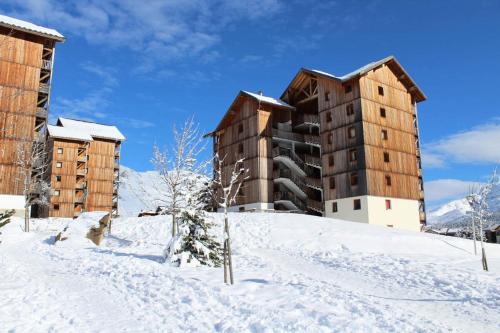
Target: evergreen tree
[(5, 219)]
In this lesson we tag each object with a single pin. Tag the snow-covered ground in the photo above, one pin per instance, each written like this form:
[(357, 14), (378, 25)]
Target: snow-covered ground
[(293, 273)]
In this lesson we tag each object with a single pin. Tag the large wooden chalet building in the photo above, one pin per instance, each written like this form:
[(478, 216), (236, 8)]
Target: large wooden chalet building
[(339, 146), (26, 66), (84, 167)]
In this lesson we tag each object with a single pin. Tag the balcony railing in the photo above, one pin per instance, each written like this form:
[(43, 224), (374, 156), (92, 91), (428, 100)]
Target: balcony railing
[(289, 196), (288, 174), (281, 134), (305, 118), (81, 172), (79, 199), (117, 165), (80, 186), (44, 87), (315, 205), (41, 113), (280, 151), (314, 182), (312, 160), (46, 64), (312, 139)]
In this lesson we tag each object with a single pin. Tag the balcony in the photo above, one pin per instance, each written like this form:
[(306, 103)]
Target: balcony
[(81, 172), (81, 158), (46, 64), (289, 200), (116, 165), (41, 112), (306, 119), (287, 155), (312, 139), (315, 205), (79, 200), (290, 180), (312, 161), (80, 186), (285, 135), (422, 216), (314, 183), (44, 88)]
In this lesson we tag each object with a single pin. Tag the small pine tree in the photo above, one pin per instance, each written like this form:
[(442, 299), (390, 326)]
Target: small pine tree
[(194, 245)]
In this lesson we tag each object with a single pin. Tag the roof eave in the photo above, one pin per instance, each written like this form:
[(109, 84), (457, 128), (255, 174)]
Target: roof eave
[(61, 39)]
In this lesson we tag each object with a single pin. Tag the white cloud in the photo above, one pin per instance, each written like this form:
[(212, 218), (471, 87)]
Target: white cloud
[(446, 189), (159, 30), (479, 145)]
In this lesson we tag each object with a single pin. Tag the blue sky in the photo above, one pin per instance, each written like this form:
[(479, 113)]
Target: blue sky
[(146, 65)]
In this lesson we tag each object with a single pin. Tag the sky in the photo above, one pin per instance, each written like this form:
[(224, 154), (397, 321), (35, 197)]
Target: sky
[(144, 66)]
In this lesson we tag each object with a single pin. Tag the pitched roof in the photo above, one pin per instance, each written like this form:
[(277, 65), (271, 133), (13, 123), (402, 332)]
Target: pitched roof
[(267, 99), (67, 133), (258, 97), (95, 130), (390, 61), (16, 24)]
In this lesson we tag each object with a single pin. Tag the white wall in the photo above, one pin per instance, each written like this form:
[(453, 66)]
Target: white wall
[(402, 215), (259, 206), (8, 202)]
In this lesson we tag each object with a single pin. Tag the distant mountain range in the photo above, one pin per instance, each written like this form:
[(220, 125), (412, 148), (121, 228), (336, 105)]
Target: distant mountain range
[(455, 212)]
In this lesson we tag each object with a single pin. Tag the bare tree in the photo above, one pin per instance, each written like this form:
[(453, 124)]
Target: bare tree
[(175, 163), (225, 192), (481, 212), (32, 162)]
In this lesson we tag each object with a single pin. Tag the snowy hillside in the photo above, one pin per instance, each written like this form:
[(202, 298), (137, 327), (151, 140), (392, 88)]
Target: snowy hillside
[(138, 191), (456, 210), (293, 273)]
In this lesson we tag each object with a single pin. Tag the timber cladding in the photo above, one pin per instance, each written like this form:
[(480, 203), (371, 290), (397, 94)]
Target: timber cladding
[(20, 66), (100, 175)]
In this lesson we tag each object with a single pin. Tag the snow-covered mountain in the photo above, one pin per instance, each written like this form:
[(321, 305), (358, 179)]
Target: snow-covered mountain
[(138, 191), (456, 211), (141, 191)]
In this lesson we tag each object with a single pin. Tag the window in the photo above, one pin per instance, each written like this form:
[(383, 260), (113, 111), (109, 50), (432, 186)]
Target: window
[(381, 90), (353, 155), (57, 193), (388, 204), (332, 183), (388, 181), (56, 206), (59, 150), (357, 204), (59, 165), (331, 161), (384, 135), (382, 112), (240, 128), (354, 179), (58, 178), (330, 138), (348, 89), (328, 117), (335, 207), (240, 148), (349, 109), (386, 157), (327, 96), (241, 209), (351, 132)]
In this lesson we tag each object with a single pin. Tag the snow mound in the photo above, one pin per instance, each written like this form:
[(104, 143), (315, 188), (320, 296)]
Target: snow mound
[(292, 273)]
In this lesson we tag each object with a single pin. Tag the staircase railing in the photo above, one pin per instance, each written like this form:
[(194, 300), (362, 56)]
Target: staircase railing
[(280, 151)]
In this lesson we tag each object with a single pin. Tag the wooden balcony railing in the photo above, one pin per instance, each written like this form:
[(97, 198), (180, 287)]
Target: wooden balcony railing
[(280, 151), (289, 196), (312, 139), (312, 160), (281, 134), (44, 87), (314, 182), (46, 64), (315, 205), (305, 118), (41, 112)]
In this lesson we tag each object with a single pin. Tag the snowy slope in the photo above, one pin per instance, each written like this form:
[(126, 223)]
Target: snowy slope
[(293, 273), (456, 210), (138, 191)]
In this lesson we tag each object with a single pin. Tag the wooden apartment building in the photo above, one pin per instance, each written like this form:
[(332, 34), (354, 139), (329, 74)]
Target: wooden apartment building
[(339, 146), (26, 67), (84, 167)]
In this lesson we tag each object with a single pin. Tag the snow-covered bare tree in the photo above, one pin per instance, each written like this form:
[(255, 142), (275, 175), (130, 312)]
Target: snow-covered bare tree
[(226, 189), (175, 164), (481, 213), (32, 163)]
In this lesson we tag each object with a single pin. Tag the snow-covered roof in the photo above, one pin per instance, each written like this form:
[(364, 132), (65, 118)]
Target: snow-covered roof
[(28, 27), (95, 130), (267, 99), (67, 133)]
